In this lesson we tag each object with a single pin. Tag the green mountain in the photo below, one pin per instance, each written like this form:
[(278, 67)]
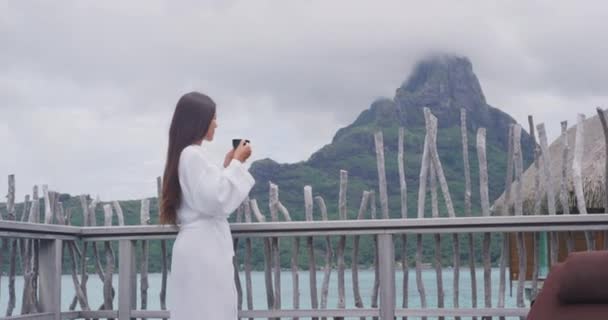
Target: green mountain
[(444, 84)]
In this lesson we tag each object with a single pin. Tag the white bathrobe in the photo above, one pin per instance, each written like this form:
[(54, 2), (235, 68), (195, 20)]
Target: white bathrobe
[(201, 284)]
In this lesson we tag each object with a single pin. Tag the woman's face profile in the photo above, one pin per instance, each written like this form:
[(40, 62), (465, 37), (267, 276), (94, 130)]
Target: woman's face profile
[(211, 130)]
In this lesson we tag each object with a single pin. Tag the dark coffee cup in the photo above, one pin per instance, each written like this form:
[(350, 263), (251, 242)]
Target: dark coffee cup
[(236, 142)]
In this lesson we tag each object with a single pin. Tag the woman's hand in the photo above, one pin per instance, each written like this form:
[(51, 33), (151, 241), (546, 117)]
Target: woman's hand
[(228, 158), (243, 151)]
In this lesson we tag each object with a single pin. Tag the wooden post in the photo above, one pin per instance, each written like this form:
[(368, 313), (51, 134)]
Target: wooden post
[(28, 304), (436, 162), (538, 196), (435, 214), (403, 188), (577, 175), (267, 257), (485, 211), (504, 252), (108, 290), (467, 209), (342, 241), (48, 212), (355, 259), (90, 211), (84, 277), (273, 199), (50, 277), (563, 194), (437, 169), (424, 168), (119, 213), (22, 242), (378, 139), (401, 166), (144, 218), (11, 216), (328, 256), (29, 301), (312, 265), (602, 115), (295, 253), (549, 184), (80, 293), (59, 210), (521, 245)]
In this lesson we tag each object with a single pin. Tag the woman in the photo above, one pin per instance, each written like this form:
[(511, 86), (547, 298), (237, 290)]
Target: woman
[(199, 197)]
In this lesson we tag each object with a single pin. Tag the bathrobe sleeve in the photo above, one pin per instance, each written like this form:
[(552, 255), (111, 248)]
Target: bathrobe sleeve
[(212, 190)]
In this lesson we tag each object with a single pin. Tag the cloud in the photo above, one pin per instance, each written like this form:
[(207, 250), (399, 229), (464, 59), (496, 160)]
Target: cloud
[(87, 88)]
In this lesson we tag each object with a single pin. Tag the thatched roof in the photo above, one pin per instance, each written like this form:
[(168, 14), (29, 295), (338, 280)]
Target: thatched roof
[(593, 172)]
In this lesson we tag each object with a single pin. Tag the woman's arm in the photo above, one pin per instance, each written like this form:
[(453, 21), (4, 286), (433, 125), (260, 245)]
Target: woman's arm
[(215, 191)]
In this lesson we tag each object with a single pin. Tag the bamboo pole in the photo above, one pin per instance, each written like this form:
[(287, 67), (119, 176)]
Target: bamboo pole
[(328, 256), (403, 188), (312, 265), (467, 208), (355, 259)]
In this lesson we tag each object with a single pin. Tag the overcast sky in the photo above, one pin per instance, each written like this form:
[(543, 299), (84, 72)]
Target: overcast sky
[(87, 88)]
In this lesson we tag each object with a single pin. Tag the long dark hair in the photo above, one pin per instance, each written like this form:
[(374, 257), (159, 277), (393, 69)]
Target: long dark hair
[(191, 120)]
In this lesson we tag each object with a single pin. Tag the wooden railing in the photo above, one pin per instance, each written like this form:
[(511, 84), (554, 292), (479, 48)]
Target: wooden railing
[(51, 239)]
